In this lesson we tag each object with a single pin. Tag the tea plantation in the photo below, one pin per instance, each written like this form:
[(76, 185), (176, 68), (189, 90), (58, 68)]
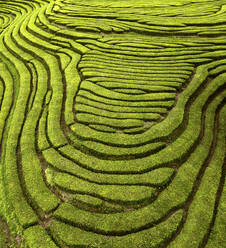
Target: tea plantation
[(112, 123)]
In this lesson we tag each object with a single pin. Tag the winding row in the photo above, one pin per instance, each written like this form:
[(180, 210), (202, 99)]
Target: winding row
[(112, 122)]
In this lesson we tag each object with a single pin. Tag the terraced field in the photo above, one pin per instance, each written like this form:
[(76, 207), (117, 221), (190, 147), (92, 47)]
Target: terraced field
[(113, 123)]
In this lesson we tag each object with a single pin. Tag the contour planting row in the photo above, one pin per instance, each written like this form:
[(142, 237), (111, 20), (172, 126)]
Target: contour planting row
[(23, 213), (95, 69), (122, 19), (28, 53), (111, 140), (109, 224), (91, 90), (68, 150), (14, 194), (172, 49), (167, 126), (5, 19), (13, 49), (143, 6), (195, 118)]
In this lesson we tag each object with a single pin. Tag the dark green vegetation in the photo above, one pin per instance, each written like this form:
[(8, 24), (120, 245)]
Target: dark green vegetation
[(112, 123)]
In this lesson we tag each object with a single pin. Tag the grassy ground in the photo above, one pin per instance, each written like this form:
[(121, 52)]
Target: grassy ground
[(2, 236)]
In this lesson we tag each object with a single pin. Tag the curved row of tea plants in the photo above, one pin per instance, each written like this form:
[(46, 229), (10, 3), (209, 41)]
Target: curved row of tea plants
[(112, 123)]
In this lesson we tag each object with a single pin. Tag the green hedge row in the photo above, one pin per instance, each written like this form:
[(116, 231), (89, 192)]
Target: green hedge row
[(61, 163), (69, 235), (168, 155), (177, 193), (173, 120)]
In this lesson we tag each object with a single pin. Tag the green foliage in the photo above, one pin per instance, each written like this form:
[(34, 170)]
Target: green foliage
[(112, 123), (37, 237)]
